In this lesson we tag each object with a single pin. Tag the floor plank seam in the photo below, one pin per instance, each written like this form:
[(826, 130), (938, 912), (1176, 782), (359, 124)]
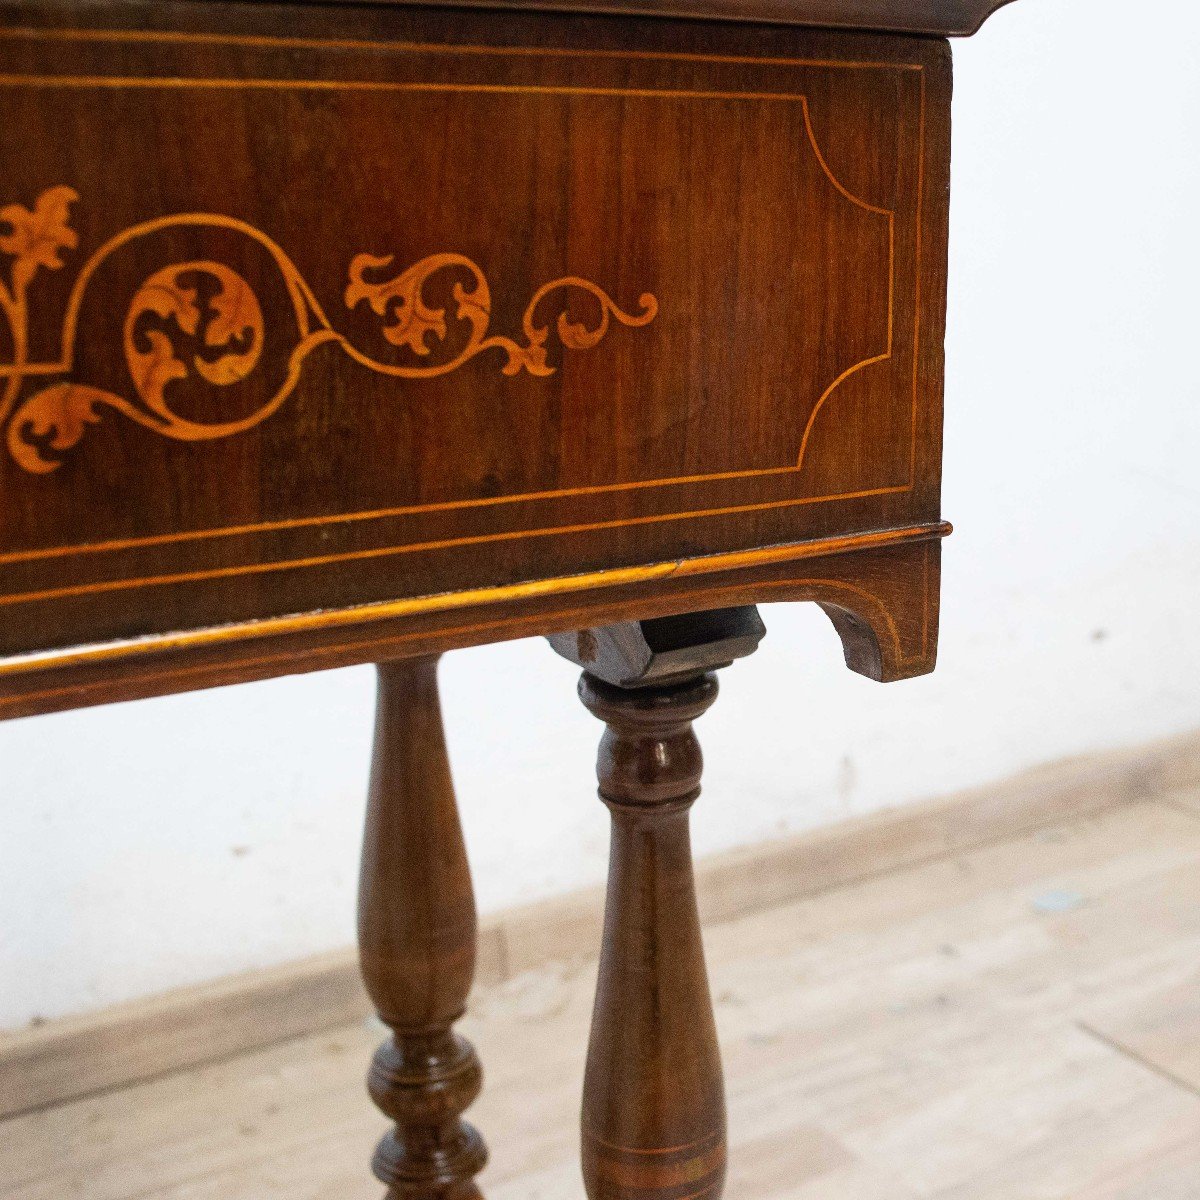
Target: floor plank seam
[(1132, 1055), (115, 1089)]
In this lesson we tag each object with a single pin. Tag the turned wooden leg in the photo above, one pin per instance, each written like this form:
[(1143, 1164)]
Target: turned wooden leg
[(653, 1100), (417, 943), (653, 1096)]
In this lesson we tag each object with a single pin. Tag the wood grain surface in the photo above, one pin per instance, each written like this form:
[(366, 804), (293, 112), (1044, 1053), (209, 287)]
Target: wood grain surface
[(653, 1121), (948, 18), (417, 935), (309, 311)]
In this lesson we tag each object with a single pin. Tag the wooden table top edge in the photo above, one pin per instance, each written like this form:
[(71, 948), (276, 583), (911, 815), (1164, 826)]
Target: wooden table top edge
[(933, 18)]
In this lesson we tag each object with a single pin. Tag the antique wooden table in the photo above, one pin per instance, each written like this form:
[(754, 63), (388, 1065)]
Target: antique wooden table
[(335, 334)]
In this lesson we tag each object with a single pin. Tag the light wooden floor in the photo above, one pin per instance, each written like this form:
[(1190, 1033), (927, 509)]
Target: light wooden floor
[(1021, 1023)]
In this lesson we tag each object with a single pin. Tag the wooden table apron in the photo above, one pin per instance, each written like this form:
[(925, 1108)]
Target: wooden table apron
[(338, 334), (332, 334)]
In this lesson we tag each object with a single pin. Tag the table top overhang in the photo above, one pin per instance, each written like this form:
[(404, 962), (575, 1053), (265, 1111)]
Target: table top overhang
[(937, 18)]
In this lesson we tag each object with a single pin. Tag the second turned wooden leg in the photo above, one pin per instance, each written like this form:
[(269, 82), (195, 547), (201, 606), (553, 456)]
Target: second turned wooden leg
[(417, 942), (653, 1105)]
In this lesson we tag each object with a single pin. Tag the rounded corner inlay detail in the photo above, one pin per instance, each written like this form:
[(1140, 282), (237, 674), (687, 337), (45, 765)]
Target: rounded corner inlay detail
[(201, 319)]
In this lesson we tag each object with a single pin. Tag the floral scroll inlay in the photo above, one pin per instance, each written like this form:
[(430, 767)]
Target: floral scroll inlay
[(202, 319)]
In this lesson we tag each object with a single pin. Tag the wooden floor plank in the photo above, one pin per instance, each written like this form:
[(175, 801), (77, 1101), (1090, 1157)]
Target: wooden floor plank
[(998, 1025), (1160, 1028), (1187, 799), (1167, 1173)]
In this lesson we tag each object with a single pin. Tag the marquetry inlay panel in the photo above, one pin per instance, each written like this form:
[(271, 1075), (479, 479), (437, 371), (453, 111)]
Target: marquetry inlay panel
[(482, 312), (215, 314)]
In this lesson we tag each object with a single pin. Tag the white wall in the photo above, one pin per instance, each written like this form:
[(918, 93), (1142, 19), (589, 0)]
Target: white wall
[(155, 844)]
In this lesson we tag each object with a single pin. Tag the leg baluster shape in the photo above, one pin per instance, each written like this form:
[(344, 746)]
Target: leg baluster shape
[(417, 941), (653, 1107)]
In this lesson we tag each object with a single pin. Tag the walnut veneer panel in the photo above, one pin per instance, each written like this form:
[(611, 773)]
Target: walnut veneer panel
[(399, 306)]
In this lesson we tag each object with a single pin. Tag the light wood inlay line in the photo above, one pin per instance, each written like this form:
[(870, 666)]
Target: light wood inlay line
[(286, 43), (912, 460), (320, 560), (655, 1152), (109, 547), (372, 85)]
